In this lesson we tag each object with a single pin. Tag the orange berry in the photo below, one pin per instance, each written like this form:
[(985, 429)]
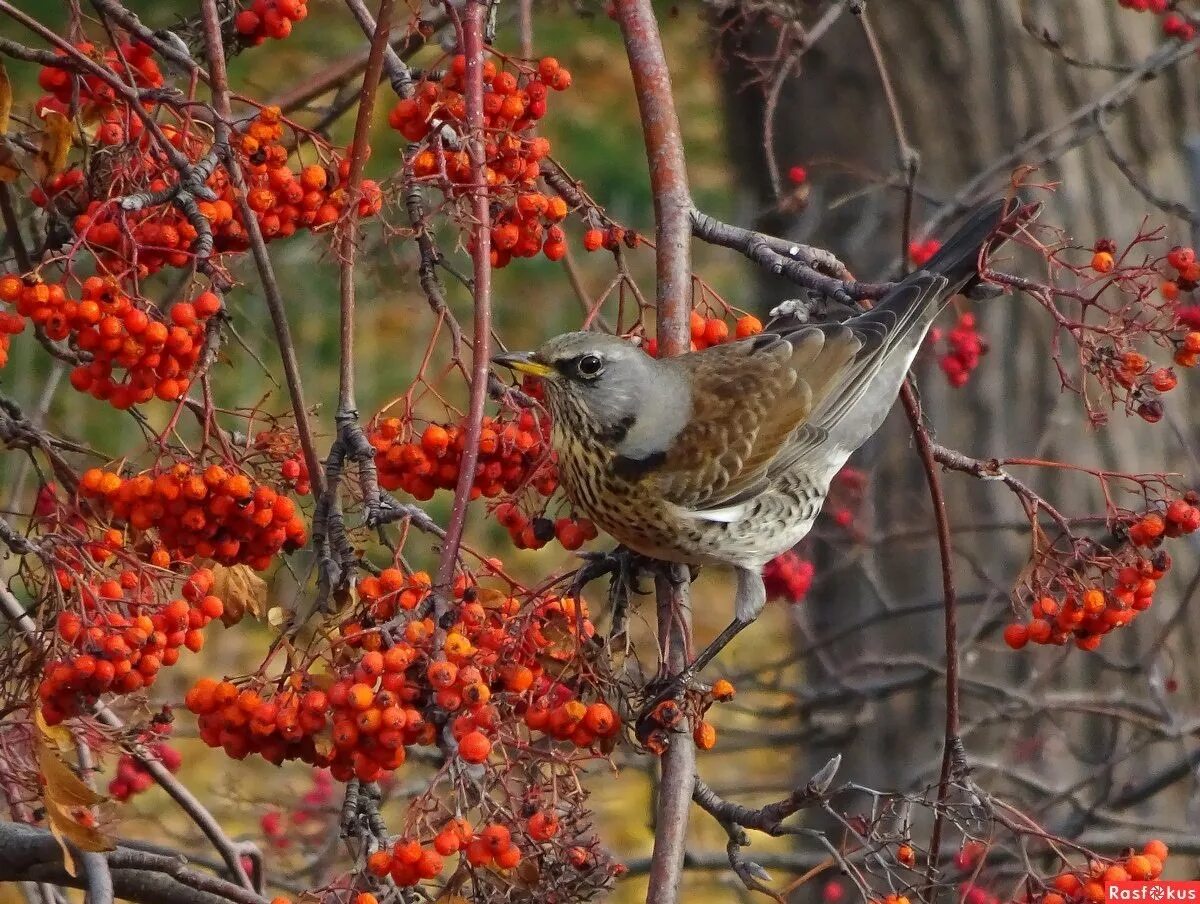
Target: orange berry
[(1016, 636), (723, 690), (474, 747), (542, 826), (496, 837), (379, 863), (509, 857), (442, 674), (1156, 848), (705, 736), (748, 326), (1102, 262), (446, 842), (360, 697), (600, 720)]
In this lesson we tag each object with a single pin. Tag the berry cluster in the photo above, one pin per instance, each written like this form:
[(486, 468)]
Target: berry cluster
[(143, 240), (360, 720), (536, 532), (1174, 23), (961, 349), (157, 351), (216, 513), (611, 238), (920, 253), (409, 861), (1135, 373), (309, 816), (97, 97), (513, 453), (788, 577), (269, 19), (1181, 517), (283, 449), (514, 100), (1090, 885), (124, 635), (710, 331), (132, 777)]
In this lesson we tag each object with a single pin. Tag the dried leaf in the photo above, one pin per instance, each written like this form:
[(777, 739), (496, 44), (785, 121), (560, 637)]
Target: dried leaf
[(241, 590), (5, 99), (490, 598), (55, 144), (59, 735), (67, 799), (8, 167)]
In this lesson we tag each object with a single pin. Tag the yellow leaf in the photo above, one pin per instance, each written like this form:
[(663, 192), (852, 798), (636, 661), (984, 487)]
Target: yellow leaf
[(241, 590), (58, 734), (55, 144), (5, 99), (67, 799), (490, 598)]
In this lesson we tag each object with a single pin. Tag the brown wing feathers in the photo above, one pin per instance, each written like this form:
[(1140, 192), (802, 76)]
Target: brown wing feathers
[(762, 404)]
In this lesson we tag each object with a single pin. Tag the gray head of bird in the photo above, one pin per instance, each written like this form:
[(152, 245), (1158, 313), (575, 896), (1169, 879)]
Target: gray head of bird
[(599, 383)]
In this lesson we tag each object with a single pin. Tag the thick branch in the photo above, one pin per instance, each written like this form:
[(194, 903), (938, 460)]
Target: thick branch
[(672, 218)]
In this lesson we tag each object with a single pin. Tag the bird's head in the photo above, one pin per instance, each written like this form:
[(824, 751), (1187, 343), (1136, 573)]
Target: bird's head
[(593, 381)]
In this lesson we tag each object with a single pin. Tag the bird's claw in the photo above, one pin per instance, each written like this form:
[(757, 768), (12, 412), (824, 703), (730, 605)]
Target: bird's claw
[(625, 566)]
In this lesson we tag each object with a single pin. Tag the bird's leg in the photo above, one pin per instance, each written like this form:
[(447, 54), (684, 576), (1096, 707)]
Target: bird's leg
[(749, 602)]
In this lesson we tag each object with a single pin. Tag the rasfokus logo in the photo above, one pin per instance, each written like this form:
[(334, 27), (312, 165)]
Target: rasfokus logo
[(1151, 891)]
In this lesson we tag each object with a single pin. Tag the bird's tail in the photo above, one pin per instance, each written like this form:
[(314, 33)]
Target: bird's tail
[(891, 332), (989, 224)]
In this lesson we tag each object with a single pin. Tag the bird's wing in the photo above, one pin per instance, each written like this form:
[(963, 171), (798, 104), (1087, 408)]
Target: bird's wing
[(762, 404), (748, 398)]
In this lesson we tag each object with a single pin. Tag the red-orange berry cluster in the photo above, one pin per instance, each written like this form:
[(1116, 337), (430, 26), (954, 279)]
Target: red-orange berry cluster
[(535, 532), (378, 702), (269, 19), (98, 98), (215, 513), (284, 449), (157, 351), (132, 777), (282, 829), (124, 635), (408, 861), (514, 453), (1174, 23), (961, 348), (611, 238), (1090, 884), (282, 199), (514, 100), (788, 577), (1181, 517), (710, 331)]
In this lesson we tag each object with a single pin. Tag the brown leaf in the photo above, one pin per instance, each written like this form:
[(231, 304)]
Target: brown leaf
[(8, 167), (5, 100), (67, 799), (490, 598), (55, 144), (241, 590)]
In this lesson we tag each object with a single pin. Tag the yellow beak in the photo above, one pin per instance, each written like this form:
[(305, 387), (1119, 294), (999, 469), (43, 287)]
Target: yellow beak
[(523, 362)]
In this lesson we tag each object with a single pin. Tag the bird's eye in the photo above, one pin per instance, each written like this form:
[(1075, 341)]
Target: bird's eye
[(590, 366)]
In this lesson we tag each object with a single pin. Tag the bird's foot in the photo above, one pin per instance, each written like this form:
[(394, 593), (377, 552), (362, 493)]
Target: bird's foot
[(625, 567)]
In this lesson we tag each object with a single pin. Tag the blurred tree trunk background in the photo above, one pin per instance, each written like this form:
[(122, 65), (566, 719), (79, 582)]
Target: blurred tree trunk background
[(973, 80)]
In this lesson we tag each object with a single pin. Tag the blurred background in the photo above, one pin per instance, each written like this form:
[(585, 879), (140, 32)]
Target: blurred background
[(982, 87)]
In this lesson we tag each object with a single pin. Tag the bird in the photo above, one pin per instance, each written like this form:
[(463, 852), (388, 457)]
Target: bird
[(724, 456)]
